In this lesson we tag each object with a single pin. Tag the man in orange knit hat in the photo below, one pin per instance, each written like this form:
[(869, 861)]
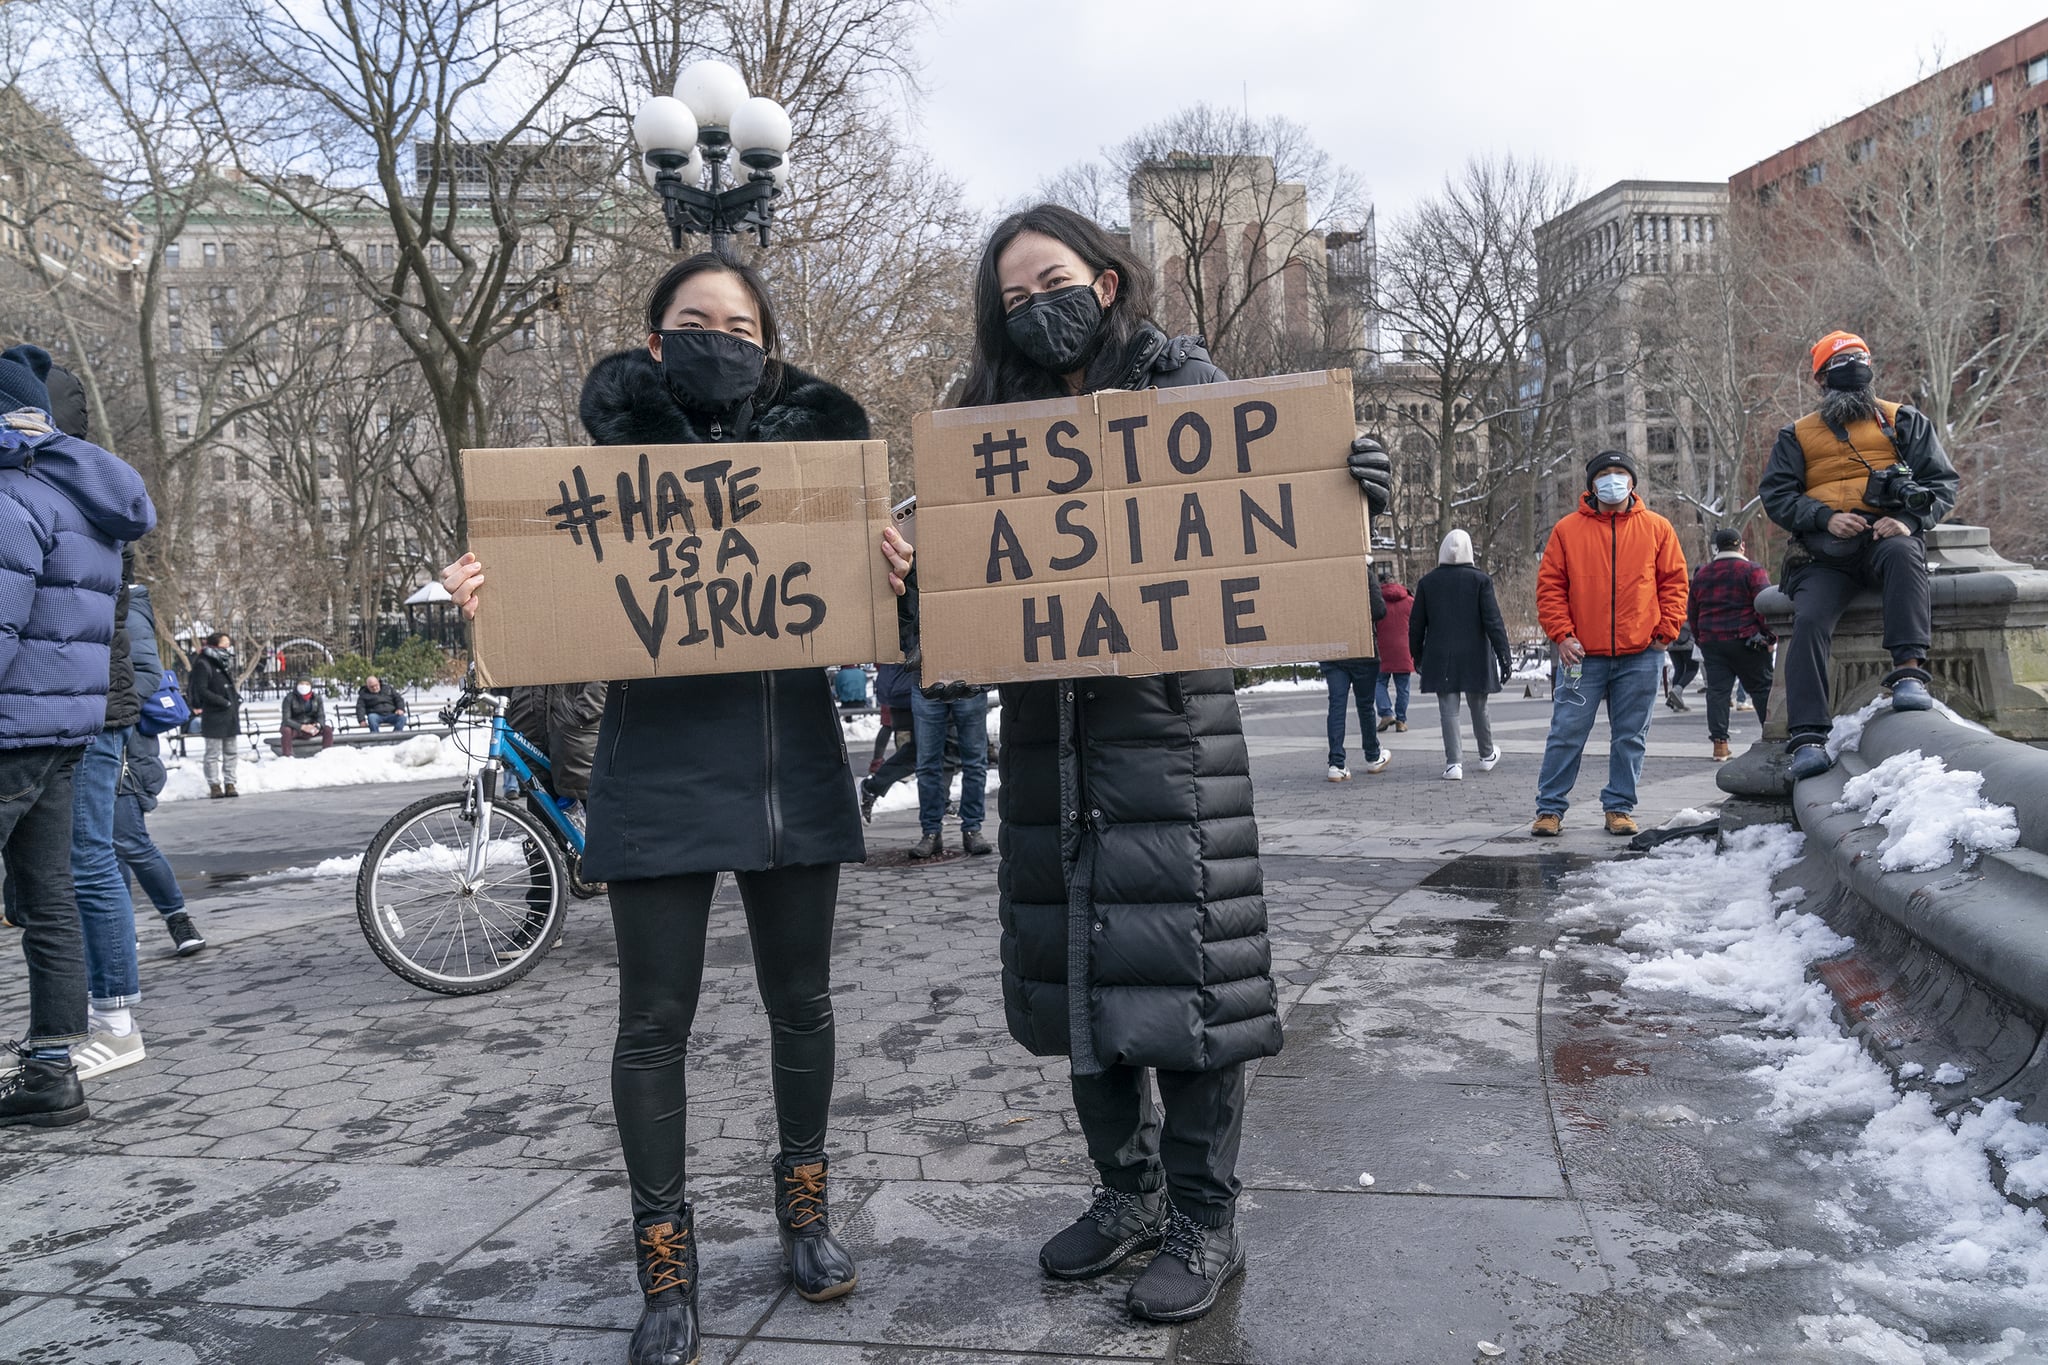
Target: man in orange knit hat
[(1857, 483)]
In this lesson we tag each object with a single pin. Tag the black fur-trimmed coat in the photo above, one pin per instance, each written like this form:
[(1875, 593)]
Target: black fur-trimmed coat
[(734, 772)]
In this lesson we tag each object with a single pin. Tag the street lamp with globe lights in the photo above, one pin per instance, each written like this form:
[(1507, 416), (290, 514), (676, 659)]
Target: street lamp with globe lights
[(683, 136)]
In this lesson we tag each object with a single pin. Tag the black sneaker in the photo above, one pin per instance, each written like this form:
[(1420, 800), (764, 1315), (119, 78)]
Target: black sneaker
[(867, 802), (185, 936), (1116, 1227), (42, 1093), (1188, 1273)]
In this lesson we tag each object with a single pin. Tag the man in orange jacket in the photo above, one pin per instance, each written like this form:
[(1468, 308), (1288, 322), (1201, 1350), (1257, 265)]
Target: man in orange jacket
[(1611, 594)]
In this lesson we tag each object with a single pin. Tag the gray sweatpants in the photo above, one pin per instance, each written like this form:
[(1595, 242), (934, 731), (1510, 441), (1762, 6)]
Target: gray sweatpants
[(1482, 729), (220, 760)]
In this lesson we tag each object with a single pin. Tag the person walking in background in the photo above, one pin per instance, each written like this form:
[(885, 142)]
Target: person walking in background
[(1735, 642), (380, 707), (1457, 636), (305, 717), (1397, 663), (895, 685), (141, 782), (1359, 677), (217, 702), (66, 509), (965, 709), (1611, 595), (1683, 667)]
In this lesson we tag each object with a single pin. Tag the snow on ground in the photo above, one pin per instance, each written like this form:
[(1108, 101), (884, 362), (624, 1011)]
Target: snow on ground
[(1708, 925), (1927, 810), (414, 760), (1310, 684)]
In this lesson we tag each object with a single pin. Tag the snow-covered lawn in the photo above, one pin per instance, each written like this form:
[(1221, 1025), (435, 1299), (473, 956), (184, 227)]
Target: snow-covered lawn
[(1708, 925), (412, 760)]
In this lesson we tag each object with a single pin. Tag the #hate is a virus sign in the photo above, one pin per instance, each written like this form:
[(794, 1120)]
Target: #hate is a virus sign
[(607, 562), (1142, 532)]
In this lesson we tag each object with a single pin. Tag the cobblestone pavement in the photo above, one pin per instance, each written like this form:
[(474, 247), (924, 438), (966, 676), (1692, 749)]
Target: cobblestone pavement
[(318, 1163)]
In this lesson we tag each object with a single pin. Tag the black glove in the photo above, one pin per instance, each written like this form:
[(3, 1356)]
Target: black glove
[(1758, 641), (1374, 470), (948, 691)]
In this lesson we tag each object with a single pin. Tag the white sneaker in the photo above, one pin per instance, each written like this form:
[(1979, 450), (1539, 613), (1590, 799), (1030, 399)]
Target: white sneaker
[(1454, 772), (104, 1052), (1340, 775), (1486, 764), (1379, 765)]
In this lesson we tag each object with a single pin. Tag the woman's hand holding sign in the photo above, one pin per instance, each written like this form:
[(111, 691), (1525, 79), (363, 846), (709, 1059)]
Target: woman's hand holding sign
[(899, 554), (463, 579)]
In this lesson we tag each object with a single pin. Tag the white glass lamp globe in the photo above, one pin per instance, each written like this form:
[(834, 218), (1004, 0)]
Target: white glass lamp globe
[(714, 92), (665, 124), (779, 173), (692, 171), (761, 125)]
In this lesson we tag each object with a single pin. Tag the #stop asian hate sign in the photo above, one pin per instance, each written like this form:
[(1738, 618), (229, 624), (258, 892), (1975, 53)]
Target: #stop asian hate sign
[(1142, 532), (606, 562)]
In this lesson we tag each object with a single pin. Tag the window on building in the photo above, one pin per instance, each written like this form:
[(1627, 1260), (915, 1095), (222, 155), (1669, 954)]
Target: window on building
[(209, 255), (241, 428), (277, 466), (1662, 440), (177, 337), (1980, 97), (277, 509), (184, 426), (1862, 149), (179, 388), (1702, 443), (241, 466), (2037, 70), (1814, 173), (171, 256), (2030, 139), (1617, 412), (220, 469), (216, 336), (326, 511), (227, 254), (323, 465), (174, 299)]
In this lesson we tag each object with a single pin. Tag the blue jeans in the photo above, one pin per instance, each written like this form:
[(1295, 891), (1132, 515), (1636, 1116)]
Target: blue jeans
[(35, 832), (1394, 703), (1345, 675), (377, 722), (1629, 684), (142, 859), (104, 909), (970, 717)]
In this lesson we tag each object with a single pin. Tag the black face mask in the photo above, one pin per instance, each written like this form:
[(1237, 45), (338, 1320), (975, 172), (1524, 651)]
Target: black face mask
[(1847, 377), (709, 371), (1059, 330)]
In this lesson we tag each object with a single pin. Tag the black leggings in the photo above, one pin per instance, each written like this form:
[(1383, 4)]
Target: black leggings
[(660, 923)]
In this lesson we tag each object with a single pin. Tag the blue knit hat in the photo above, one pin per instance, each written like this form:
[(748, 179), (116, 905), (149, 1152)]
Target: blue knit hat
[(22, 371)]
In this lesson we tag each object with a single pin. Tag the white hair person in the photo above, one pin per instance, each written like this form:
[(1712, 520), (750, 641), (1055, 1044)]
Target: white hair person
[(1456, 549)]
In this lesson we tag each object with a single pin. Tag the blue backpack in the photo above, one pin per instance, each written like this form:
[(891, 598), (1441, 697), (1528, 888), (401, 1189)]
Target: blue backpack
[(164, 709)]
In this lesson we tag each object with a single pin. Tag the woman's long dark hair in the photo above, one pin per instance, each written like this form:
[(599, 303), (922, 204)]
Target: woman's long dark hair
[(664, 293), (999, 372)]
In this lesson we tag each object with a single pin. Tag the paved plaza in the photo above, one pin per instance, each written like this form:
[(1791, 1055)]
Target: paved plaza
[(318, 1163)]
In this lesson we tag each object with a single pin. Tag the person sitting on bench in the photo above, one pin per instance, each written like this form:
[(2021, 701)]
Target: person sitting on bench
[(305, 715), (378, 706)]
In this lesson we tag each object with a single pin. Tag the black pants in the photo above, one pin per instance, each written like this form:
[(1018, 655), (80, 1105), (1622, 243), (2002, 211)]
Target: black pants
[(1684, 668), (35, 832), (1727, 663), (903, 763), (1192, 1151), (661, 924), (1821, 591)]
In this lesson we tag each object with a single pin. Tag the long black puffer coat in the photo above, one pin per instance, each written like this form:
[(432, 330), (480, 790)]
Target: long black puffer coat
[(1130, 857), (732, 772), (211, 690)]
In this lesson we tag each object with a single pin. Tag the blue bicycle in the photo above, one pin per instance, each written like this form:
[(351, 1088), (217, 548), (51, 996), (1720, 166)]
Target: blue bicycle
[(466, 892)]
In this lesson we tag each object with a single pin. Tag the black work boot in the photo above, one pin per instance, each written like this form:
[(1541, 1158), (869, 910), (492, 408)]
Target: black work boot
[(930, 846), (818, 1265), (667, 1262), (972, 842), (1116, 1227), (1189, 1272), (43, 1093), (867, 802)]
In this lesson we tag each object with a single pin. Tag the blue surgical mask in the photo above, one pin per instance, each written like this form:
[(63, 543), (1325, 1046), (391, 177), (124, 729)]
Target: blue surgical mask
[(1611, 488)]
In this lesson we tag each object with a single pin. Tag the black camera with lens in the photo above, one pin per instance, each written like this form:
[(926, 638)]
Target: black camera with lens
[(1893, 489)]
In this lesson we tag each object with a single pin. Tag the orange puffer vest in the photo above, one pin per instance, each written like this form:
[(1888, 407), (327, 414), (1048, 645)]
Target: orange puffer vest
[(1834, 473)]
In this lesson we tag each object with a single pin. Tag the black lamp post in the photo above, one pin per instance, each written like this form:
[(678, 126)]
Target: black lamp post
[(686, 141)]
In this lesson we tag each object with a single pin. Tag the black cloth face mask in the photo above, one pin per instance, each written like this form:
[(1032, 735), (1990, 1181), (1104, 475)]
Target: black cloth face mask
[(1059, 330), (1847, 377), (709, 371)]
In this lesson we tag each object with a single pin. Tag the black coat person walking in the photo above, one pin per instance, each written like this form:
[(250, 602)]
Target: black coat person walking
[(1461, 649), (217, 701), (693, 776), (1129, 887)]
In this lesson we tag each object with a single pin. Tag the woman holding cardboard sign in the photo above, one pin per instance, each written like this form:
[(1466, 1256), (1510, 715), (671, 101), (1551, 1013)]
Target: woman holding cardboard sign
[(1127, 828), (739, 772)]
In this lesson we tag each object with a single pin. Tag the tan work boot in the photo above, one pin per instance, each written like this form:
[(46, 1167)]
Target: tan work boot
[(1620, 822), (1721, 752), (1547, 826)]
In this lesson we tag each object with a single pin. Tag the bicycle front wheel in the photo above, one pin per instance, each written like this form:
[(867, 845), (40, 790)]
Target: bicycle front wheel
[(440, 927)]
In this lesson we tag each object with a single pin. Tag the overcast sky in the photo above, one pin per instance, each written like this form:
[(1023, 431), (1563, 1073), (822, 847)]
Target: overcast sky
[(1403, 92)]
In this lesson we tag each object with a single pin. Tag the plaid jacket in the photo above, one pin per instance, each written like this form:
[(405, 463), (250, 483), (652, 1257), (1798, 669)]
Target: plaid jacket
[(1723, 603)]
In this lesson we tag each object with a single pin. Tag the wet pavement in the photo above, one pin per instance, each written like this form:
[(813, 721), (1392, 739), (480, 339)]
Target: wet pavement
[(319, 1164)]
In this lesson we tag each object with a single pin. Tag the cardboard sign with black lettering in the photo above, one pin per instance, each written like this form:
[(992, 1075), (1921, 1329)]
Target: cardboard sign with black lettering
[(604, 562), (1142, 532)]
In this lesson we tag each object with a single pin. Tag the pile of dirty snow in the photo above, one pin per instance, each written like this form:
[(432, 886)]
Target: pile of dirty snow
[(1926, 811)]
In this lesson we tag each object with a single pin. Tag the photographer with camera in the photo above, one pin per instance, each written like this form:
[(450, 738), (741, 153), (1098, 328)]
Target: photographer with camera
[(1857, 484)]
